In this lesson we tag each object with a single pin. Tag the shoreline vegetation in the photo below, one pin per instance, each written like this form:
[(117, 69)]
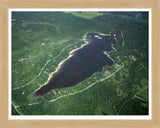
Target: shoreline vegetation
[(86, 55), (41, 40)]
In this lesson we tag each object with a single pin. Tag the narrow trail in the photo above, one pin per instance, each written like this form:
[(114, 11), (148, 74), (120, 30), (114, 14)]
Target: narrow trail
[(73, 93), (41, 69), (70, 94), (16, 109), (64, 49), (139, 98), (139, 93), (135, 96), (34, 77), (142, 90), (122, 39), (144, 67)]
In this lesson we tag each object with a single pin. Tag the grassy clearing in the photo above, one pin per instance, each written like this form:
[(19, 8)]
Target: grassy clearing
[(86, 15)]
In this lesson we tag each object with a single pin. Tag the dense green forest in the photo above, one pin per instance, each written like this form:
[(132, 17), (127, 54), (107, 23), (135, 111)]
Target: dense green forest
[(41, 40)]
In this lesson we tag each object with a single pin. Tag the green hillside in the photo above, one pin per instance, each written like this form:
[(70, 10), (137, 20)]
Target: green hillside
[(41, 40)]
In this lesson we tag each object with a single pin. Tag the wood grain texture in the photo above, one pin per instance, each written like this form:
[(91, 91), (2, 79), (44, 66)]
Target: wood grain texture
[(6, 4)]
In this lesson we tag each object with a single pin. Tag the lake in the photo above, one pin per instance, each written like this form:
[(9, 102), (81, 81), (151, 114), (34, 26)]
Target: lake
[(81, 63)]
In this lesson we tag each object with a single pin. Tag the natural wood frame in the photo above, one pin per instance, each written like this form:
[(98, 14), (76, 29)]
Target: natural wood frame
[(4, 34)]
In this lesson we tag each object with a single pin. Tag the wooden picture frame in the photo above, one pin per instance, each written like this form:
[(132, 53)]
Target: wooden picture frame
[(5, 122)]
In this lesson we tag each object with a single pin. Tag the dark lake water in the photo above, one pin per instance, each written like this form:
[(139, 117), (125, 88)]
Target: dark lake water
[(82, 63)]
